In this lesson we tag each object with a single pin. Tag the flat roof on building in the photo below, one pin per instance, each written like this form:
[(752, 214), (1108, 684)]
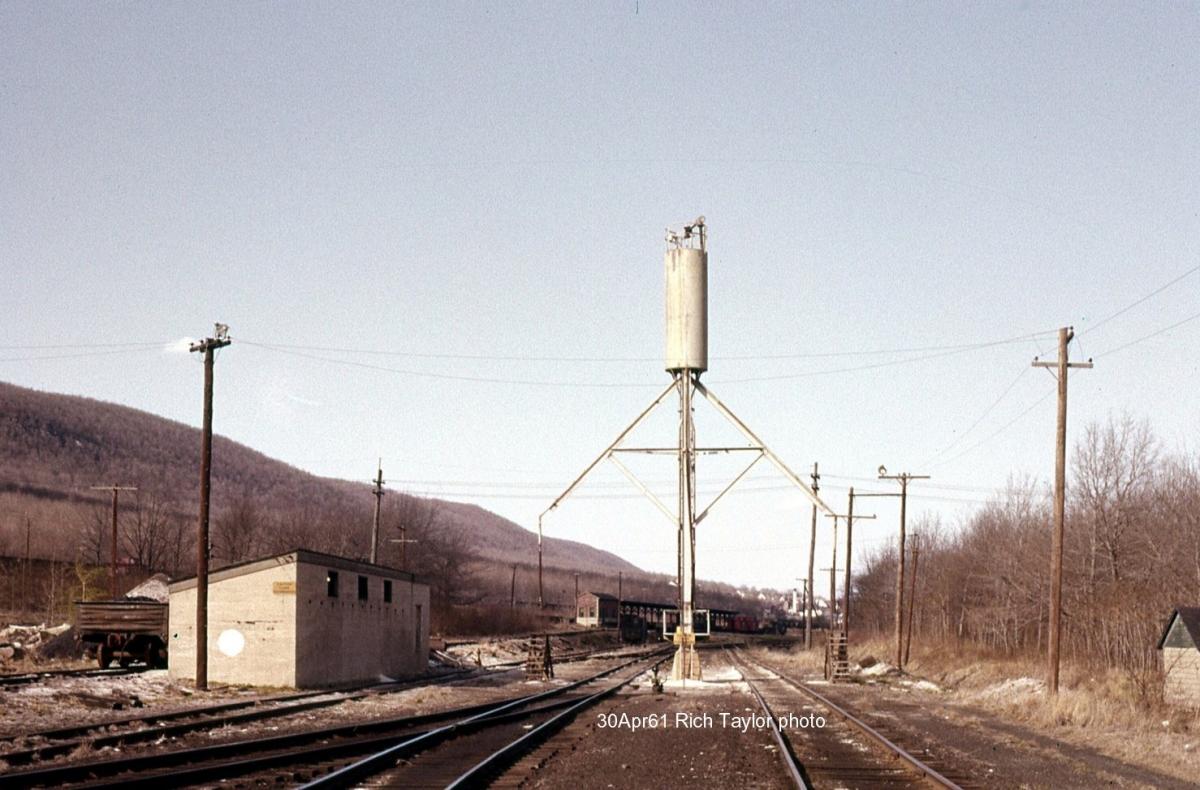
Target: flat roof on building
[(295, 556)]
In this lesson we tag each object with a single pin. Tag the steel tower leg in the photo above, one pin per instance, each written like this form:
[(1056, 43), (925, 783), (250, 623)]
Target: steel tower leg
[(687, 663)]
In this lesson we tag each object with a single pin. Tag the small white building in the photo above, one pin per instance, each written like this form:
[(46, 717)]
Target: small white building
[(302, 620), (1180, 646)]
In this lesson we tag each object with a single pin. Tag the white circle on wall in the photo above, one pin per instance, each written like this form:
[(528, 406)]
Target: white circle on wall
[(231, 642)]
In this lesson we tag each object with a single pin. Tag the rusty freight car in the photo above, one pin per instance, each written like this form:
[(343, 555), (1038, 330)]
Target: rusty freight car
[(127, 630)]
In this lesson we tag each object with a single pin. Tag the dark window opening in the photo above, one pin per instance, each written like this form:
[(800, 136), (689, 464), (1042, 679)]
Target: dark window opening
[(362, 588), (387, 590), (331, 584)]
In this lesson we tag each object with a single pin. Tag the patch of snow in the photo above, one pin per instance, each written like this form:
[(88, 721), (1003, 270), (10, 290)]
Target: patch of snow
[(1013, 687), (881, 668)]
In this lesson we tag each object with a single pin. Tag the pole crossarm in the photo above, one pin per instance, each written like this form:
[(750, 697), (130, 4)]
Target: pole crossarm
[(771, 456), (675, 450), (732, 483), (843, 515), (671, 517)]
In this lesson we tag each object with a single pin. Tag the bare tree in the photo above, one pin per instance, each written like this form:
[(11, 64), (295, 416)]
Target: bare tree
[(238, 531)]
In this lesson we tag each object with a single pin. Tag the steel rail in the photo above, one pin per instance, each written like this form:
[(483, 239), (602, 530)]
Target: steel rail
[(34, 677), (226, 767), (915, 762), (383, 760), (507, 755), (791, 762), (226, 753), (287, 705)]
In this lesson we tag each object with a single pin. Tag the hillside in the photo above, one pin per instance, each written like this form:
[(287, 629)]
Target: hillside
[(54, 447)]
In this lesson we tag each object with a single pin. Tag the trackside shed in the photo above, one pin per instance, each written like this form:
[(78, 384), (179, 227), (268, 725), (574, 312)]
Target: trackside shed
[(303, 620), (1180, 646)]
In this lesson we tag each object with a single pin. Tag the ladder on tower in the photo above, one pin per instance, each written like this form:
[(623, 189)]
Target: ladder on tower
[(837, 657)]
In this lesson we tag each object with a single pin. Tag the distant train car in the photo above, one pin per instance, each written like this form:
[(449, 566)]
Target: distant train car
[(125, 630), (746, 624), (633, 629)]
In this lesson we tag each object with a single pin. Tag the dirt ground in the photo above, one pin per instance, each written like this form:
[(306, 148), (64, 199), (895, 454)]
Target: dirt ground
[(957, 729), (608, 746), (72, 701)]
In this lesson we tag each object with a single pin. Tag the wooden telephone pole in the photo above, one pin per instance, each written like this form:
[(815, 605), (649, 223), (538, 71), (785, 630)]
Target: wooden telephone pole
[(403, 541), (850, 517), (903, 477), (812, 550), (912, 596), (207, 346), (378, 493), (1060, 485), (116, 489)]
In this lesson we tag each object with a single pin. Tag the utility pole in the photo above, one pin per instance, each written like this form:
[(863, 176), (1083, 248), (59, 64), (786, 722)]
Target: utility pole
[(207, 346), (912, 596), (1065, 334), (620, 598), (903, 477), (541, 599), (112, 572), (850, 517), (378, 492), (403, 541), (577, 591), (812, 550), (25, 581), (832, 597), (512, 596)]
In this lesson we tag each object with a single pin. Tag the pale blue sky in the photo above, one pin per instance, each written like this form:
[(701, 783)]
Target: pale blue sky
[(493, 180)]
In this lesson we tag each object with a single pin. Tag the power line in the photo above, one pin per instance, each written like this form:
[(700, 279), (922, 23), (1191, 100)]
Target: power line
[(618, 385), (980, 418), (562, 359), (80, 355), (1165, 329), (876, 365), (1129, 307), (1001, 430)]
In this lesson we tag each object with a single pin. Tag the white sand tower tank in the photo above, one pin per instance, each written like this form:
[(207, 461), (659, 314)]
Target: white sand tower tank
[(686, 263)]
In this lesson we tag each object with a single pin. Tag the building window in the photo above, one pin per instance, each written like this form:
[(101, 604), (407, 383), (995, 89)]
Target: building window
[(331, 584), (387, 590), (362, 588)]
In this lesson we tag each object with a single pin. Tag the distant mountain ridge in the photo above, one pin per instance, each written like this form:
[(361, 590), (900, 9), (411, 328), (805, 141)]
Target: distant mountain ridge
[(53, 447)]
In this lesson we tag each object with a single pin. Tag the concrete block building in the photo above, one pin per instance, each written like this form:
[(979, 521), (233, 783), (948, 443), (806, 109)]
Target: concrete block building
[(302, 620), (1180, 646)]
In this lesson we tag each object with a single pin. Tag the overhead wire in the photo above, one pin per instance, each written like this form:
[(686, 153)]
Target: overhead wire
[(979, 419), (947, 351), (996, 433), (1129, 307), (586, 359), (1154, 334)]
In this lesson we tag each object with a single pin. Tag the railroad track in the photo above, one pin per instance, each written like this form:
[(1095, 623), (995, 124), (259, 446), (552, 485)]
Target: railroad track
[(282, 758), (825, 757), (46, 674), (499, 737), (152, 726)]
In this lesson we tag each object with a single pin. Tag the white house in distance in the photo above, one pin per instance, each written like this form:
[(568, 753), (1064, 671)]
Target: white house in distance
[(302, 620)]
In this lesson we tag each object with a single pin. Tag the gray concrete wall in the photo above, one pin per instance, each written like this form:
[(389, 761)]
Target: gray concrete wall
[(344, 639), (256, 609)]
